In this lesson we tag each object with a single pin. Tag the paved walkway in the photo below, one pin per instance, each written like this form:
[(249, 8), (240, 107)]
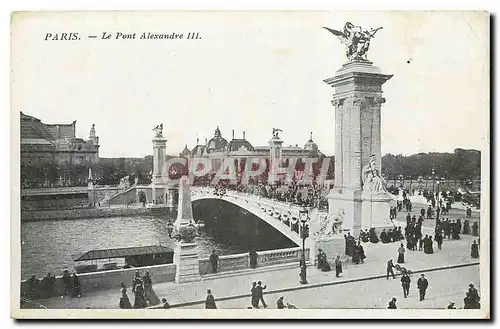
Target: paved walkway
[(372, 294), (454, 252)]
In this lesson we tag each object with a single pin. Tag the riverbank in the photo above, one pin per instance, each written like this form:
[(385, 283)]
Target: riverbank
[(80, 213), (230, 287)]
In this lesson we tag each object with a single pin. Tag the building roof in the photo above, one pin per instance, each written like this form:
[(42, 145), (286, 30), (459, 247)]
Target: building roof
[(216, 143), (120, 253), (186, 151), (33, 129), (198, 150), (236, 144)]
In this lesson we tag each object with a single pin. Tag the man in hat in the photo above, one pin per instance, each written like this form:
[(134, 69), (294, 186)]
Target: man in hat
[(405, 283), (260, 295), (392, 304), (422, 285), (390, 270)]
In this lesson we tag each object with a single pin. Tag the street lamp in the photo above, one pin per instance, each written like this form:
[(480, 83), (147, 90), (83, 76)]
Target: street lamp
[(170, 228), (304, 233)]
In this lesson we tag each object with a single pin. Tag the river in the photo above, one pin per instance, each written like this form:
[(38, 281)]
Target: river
[(47, 246)]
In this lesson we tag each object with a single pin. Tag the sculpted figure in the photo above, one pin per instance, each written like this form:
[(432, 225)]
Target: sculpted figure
[(372, 181), (158, 130), (356, 40), (330, 224), (276, 132)]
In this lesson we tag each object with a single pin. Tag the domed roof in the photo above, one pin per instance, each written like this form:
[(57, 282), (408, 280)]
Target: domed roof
[(186, 152), (216, 143), (238, 144), (311, 145)]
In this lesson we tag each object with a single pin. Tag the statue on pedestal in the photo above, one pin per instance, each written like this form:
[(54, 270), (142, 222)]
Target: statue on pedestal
[(158, 130), (276, 132), (356, 39), (372, 181)]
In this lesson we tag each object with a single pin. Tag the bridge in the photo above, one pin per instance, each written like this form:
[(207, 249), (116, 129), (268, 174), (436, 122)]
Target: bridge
[(283, 216)]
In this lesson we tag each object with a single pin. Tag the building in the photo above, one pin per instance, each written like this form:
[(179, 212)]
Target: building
[(54, 150), (217, 148)]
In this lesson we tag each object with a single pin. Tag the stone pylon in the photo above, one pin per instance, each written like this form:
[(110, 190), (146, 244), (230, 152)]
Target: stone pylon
[(186, 253), (185, 209), (357, 100)]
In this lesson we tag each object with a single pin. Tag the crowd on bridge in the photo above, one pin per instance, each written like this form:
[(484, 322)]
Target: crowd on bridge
[(312, 196)]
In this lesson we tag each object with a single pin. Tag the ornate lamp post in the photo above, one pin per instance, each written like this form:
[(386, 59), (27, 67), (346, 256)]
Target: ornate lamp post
[(170, 229), (401, 181), (433, 173), (304, 233)]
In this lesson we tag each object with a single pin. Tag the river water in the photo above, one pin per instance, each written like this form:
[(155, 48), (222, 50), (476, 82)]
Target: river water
[(47, 246)]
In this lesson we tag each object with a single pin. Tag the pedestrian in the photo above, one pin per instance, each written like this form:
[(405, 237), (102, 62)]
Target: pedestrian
[(210, 301), (77, 291), (124, 300), (136, 281), (405, 283), (451, 306), (253, 258), (165, 303), (253, 290), (338, 266), (422, 285), (66, 280), (361, 252), (260, 294), (140, 301), (401, 254), (420, 243), (474, 294), (323, 264), (392, 304), (474, 250), (148, 285), (439, 240), (214, 260), (280, 304), (390, 270)]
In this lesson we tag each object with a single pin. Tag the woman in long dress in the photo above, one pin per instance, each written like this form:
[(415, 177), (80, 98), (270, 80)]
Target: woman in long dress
[(140, 301), (124, 301), (401, 254)]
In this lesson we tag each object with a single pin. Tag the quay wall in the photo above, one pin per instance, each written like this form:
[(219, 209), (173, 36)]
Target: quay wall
[(104, 280), (77, 213)]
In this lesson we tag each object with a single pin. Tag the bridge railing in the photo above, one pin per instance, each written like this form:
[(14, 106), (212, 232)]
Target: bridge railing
[(264, 258), (286, 213)]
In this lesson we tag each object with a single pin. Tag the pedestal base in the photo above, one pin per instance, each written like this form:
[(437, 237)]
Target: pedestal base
[(332, 247), (375, 212), (187, 263), (348, 201)]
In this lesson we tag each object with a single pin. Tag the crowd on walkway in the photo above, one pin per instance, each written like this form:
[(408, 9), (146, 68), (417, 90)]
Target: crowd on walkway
[(142, 288), (47, 287), (471, 300)]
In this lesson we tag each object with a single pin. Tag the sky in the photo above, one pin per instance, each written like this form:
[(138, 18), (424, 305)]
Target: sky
[(251, 71)]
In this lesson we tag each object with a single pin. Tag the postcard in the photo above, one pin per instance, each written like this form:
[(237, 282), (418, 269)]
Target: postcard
[(250, 164)]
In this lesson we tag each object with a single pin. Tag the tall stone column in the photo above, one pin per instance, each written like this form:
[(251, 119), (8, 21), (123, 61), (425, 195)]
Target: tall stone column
[(357, 100), (186, 252), (275, 159), (159, 146)]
